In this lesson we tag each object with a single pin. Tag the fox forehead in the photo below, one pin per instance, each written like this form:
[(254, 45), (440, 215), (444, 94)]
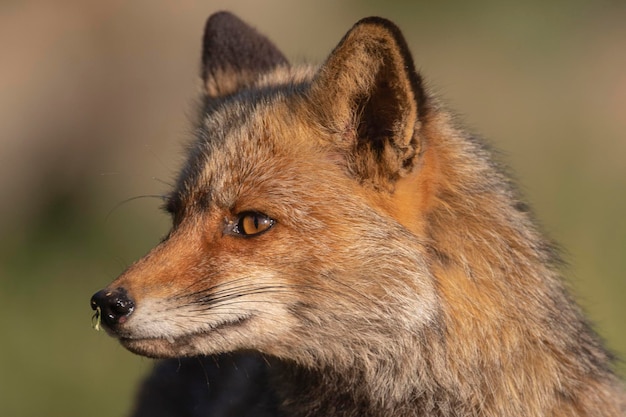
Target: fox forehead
[(249, 146)]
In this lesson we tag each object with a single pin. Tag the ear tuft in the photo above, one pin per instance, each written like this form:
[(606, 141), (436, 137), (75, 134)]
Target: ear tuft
[(234, 55), (369, 92)]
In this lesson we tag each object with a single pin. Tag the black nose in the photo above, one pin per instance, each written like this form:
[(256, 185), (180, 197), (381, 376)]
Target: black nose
[(113, 306)]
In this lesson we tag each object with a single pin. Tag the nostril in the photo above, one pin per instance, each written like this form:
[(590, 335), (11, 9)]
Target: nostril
[(95, 300), (114, 306), (122, 307)]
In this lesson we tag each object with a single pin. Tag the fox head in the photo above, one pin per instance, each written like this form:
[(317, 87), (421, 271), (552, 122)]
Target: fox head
[(296, 221), (336, 218)]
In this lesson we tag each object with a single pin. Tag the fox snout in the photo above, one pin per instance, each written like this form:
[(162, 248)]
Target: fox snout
[(113, 307)]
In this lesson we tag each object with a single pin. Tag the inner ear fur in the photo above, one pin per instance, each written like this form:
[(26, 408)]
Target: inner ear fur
[(235, 55), (370, 94)]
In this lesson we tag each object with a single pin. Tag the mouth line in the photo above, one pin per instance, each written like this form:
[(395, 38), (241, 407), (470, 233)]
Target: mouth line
[(187, 336)]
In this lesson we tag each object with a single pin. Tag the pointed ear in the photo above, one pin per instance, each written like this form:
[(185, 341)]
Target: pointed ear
[(234, 55), (369, 92)]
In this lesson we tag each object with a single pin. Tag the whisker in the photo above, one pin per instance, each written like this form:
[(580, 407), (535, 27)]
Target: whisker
[(154, 154), (162, 181), (225, 291), (223, 298), (183, 292), (352, 289), (206, 376), (118, 205), (241, 289)]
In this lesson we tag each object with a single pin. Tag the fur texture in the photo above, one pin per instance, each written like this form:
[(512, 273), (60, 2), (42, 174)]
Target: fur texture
[(400, 274)]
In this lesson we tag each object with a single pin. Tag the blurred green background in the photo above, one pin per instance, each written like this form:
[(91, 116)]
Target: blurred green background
[(95, 102)]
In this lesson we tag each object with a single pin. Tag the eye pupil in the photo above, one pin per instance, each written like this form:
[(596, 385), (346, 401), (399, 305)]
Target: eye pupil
[(253, 223)]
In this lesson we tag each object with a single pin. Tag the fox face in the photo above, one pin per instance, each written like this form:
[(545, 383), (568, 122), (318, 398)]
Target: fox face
[(294, 222)]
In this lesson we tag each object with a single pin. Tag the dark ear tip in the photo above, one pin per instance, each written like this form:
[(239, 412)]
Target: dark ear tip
[(219, 23), (222, 19), (226, 33), (383, 23), (386, 24), (377, 21)]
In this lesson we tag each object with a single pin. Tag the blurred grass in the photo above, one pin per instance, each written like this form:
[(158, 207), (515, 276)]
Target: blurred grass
[(52, 363), (101, 88)]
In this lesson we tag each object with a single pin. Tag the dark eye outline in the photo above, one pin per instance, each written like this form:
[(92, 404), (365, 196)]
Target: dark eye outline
[(236, 227)]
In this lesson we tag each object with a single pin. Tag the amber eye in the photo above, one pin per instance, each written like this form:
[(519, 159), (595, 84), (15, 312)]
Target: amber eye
[(251, 223)]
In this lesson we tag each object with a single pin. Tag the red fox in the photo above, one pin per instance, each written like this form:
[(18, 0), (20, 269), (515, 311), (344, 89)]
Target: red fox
[(357, 253)]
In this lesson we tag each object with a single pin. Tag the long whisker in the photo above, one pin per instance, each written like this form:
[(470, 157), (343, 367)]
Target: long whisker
[(121, 203), (222, 292), (228, 298), (162, 181), (154, 154), (184, 292)]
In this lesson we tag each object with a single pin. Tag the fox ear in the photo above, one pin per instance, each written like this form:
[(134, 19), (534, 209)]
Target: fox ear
[(234, 55), (369, 92)]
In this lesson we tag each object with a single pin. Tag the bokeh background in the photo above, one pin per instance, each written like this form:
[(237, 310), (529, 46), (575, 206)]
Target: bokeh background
[(96, 99)]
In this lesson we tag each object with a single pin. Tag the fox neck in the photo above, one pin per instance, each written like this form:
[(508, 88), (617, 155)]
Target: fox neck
[(502, 294)]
